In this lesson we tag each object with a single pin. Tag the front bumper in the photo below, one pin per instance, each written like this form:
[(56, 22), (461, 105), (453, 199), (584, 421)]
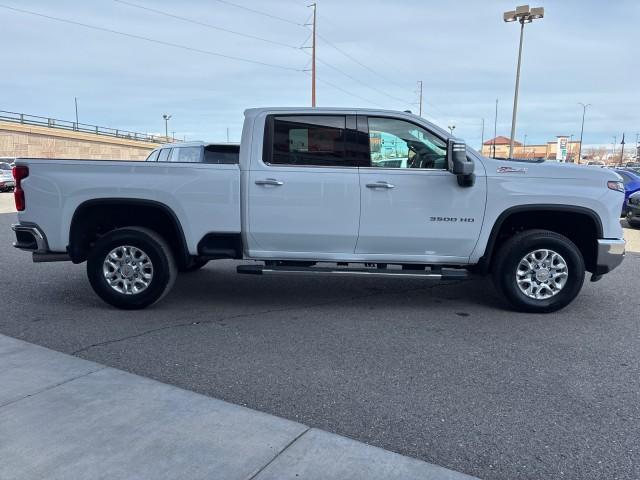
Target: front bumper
[(610, 255)]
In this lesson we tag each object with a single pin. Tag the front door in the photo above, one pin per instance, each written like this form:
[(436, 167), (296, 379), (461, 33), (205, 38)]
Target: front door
[(304, 196), (412, 207)]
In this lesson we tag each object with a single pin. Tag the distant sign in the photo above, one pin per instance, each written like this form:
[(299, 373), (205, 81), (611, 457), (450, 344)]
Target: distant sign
[(561, 150)]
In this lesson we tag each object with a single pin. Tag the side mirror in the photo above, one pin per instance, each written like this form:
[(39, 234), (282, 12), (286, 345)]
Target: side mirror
[(458, 162)]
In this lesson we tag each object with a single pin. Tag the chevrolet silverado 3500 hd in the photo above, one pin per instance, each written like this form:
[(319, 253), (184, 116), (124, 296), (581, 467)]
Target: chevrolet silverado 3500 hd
[(364, 192)]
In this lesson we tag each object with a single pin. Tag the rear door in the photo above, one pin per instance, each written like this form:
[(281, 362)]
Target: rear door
[(304, 193), (412, 207)]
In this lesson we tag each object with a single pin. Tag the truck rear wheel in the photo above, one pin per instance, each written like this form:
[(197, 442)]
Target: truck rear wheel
[(131, 268), (539, 271)]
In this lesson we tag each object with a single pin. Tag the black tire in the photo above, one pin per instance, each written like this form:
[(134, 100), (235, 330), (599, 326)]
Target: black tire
[(193, 266), (516, 248), (159, 253)]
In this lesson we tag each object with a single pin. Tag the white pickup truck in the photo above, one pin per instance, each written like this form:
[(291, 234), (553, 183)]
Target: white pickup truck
[(327, 191)]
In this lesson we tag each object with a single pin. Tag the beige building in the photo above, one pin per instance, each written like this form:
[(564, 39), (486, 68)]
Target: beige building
[(41, 141), (545, 151)]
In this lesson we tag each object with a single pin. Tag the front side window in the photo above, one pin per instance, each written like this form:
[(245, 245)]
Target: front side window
[(164, 155), (397, 143), (185, 154), (312, 140)]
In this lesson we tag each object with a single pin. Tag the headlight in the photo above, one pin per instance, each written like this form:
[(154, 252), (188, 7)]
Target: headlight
[(634, 200), (614, 185)]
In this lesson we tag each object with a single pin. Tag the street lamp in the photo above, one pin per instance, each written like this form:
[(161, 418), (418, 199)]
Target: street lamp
[(451, 128), (522, 14), (166, 125), (584, 111)]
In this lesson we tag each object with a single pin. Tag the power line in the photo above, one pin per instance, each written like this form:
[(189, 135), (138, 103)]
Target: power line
[(347, 91), (152, 40), (353, 59), (259, 12), (326, 64), (207, 25)]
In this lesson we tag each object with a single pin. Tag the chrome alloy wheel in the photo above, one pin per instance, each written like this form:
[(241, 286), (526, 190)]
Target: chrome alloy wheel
[(128, 270), (541, 274)]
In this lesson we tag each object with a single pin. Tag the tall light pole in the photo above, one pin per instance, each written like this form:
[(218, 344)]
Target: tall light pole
[(420, 96), (166, 124), (524, 147), (522, 14), (584, 111), (482, 136), (451, 128)]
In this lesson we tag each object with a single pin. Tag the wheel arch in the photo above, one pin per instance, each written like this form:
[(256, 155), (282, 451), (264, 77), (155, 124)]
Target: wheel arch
[(98, 216), (569, 220)]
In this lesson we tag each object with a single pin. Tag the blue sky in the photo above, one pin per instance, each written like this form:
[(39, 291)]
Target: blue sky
[(582, 51)]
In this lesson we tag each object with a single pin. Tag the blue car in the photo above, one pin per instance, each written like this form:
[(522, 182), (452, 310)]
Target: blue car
[(631, 182)]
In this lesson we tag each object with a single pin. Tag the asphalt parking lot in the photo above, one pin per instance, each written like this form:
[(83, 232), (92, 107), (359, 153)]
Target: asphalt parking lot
[(440, 372)]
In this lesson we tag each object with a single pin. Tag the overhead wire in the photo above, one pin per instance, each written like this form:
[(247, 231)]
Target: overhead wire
[(151, 40), (207, 25)]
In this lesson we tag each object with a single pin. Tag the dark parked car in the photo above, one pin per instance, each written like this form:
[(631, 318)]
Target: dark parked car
[(633, 210), (631, 182)]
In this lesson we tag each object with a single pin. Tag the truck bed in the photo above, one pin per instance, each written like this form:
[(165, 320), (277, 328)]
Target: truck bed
[(205, 197)]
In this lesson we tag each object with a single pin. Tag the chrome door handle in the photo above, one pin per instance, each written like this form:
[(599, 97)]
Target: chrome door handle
[(381, 185), (269, 181)]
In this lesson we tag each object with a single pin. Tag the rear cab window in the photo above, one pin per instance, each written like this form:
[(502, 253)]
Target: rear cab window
[(222, 154), (307, 140)]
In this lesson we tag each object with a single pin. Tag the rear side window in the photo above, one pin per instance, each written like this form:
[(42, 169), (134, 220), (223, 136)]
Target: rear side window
[(186, 154), (164, 155), (222, 154), (310, 140), (153, 156)]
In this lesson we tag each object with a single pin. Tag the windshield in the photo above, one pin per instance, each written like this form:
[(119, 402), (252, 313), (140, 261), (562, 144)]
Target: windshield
[(5, 166)]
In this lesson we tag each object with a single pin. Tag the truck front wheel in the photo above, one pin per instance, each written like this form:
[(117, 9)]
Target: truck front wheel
[(539, 271), (131, 268)]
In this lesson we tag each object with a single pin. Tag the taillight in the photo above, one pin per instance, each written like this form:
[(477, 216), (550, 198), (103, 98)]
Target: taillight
[(19, 173)]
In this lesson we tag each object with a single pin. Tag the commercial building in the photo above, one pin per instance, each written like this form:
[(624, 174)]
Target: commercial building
[(546, 151)]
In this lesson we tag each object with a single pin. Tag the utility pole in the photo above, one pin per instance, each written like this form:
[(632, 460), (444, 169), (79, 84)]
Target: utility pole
[(622, 150), (420, 99), (584, 111), (482, 136), (313, 58), (227, 134), (75, 99), (524, 147), (495, 129)]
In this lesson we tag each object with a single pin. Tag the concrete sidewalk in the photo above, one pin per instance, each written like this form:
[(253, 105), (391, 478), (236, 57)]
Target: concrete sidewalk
[(62, 417)]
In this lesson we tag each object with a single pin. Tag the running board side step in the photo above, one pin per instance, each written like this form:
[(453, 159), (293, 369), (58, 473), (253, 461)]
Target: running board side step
[(440, 274)]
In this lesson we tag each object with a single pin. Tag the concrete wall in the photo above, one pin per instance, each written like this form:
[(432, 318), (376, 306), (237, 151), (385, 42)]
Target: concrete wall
[(18, 140)]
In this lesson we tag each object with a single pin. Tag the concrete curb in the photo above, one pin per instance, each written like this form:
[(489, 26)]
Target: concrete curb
[(62, 417)]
